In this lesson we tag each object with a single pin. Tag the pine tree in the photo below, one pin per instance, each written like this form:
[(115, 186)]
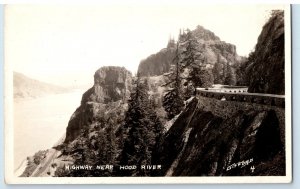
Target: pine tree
[(216, 73), (243, 73), (171, 43), (173, 101), (199, 76), (229, 78), (83, 155), (111, 146), (193, 60), (132, 120), (191, 54), (143, 130)]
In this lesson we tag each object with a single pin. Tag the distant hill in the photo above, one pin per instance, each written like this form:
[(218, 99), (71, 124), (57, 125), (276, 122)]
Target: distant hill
[(28, 87)]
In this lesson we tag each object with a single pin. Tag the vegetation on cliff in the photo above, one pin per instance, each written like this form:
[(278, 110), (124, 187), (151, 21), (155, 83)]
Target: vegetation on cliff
[(143, 132), (263, 71), (124, 132), (217, 56), (173, 99), (119, 122)]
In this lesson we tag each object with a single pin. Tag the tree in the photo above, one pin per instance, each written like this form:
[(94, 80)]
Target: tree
[(142, 125), (172, 101), (243, 72), (111, 146), (190, 54), (83, 155), (200, 76), (132, 125), (193, 59), (229, 77), (216, 73), (100, 148), (171, 43)]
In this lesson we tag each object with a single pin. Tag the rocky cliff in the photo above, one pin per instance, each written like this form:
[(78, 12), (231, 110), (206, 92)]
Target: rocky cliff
[(266, 69), (210, 137), (109, 95), (215, 51), (102, 111), (199, 143), (216, 138)]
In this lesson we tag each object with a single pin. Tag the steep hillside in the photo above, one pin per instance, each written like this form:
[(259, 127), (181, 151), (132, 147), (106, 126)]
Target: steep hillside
[(28, 87), (121, 121), (200, 143), (266, 66)]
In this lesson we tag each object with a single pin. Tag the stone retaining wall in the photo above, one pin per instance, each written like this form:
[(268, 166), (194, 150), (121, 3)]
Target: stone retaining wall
[(226, 105)]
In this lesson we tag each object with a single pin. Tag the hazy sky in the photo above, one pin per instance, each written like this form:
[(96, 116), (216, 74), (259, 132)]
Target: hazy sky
[(66, 44)]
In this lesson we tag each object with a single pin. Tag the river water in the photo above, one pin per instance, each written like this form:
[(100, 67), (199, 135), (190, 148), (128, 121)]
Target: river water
[(40, 122)]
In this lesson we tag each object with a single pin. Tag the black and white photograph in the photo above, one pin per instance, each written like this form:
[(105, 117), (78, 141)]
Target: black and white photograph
[(147, 93)]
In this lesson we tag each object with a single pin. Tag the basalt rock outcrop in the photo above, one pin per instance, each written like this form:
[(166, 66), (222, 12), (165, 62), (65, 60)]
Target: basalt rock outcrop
[(112, 86), (266, 71), (215, 52)]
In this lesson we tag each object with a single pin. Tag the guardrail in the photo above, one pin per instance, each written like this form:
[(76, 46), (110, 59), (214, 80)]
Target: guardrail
[(258, 98), (230, 90)]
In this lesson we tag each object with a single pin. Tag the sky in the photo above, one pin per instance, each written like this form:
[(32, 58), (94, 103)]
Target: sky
[(66, 44)]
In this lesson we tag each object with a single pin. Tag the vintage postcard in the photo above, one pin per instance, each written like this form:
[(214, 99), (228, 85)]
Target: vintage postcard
[(147, 93)]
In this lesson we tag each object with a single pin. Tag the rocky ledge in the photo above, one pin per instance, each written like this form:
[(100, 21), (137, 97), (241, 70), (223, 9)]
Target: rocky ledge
[(112, 86)]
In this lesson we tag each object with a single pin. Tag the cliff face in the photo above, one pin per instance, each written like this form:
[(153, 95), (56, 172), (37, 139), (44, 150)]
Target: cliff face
[(215, 51), (200, 143), (266, 71), (112, 86)]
